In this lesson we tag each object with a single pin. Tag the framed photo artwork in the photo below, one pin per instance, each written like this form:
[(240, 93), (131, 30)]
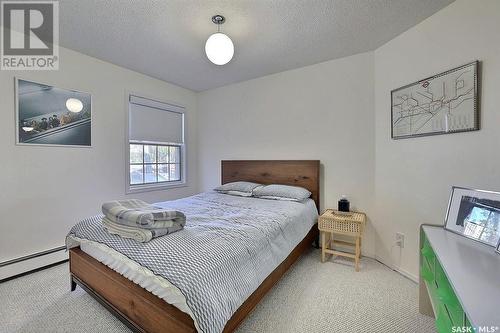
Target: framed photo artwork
[(474, 214), (441, 104), (47, 115)]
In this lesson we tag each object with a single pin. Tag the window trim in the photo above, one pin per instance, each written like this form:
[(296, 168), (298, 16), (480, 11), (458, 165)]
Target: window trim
[(129, 189)]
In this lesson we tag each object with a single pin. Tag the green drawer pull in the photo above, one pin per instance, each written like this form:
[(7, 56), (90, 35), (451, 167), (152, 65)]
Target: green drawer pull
[(440, 270), (447, 296), (445, 291), (468, 324), (426, 274), (443, 325), (428, 264), (442, 279), (427, 252), (443, 321)]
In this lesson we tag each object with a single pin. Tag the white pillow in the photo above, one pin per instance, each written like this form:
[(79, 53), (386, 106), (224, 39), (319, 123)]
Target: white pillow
[(238, 193), (282, 192), (237, 186), (271, 197)]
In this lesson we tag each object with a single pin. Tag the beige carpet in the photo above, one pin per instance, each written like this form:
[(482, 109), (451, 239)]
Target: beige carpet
[(311, 297)]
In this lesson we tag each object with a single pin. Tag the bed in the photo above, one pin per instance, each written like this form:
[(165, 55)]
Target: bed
[(259, 240)]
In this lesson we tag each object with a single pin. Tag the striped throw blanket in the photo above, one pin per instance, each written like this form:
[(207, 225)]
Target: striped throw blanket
[(139, 214), (139, 234)]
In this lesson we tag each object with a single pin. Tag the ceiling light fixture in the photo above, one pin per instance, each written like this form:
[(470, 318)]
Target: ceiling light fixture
[(74, 105), (219, 47)]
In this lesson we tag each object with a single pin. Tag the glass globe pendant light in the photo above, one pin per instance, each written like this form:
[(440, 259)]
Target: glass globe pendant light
[(219, 47)]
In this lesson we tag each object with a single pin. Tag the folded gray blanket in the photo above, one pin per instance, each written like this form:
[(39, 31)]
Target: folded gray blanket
[(140, 214), (139, 234)]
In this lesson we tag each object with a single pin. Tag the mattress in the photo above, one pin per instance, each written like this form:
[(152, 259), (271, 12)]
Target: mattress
[(242, 240), (142, 276)]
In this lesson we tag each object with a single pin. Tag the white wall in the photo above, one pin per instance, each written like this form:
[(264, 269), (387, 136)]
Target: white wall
[(324, 112), (46, 190), (414, 176), (337, 111)]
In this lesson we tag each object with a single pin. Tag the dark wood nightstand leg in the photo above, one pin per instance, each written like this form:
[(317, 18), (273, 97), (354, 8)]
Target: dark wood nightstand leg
[(72, 283)]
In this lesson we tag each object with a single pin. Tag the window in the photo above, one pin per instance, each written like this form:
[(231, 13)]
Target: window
[(156, 152), (154, 164)]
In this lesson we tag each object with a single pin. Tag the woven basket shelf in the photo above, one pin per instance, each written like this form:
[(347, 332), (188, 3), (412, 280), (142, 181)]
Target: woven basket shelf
[(351, 223)]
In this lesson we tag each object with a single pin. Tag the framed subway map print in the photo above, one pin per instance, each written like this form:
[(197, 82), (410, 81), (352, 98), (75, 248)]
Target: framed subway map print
[(442, 104)]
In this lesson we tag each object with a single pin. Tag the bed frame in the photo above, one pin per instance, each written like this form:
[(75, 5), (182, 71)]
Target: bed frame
[(142, 311)]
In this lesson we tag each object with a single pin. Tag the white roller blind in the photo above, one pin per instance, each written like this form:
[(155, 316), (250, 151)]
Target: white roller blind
[(154, 121)]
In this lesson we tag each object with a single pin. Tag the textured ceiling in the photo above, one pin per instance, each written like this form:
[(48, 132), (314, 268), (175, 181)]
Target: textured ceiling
[(166, 39)]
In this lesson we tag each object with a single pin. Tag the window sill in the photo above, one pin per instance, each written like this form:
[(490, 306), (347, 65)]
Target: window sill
[(153, 187)]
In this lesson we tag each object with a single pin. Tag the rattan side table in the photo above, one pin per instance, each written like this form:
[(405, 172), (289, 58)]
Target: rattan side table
[(341, 223)]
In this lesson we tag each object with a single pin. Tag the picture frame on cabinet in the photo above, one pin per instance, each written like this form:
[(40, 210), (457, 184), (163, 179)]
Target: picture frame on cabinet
[(474, 214)]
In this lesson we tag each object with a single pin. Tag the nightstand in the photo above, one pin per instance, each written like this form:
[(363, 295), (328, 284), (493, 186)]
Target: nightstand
[(351, 224)]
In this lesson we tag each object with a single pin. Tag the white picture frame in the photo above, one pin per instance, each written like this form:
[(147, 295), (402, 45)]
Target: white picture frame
[(474, 214)]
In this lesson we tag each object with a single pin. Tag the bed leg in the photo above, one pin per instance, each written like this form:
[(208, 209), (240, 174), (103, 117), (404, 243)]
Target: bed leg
[(316, 242), (73, 283)]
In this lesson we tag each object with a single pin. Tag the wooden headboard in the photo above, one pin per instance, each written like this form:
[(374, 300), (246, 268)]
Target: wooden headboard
[(304, 173)]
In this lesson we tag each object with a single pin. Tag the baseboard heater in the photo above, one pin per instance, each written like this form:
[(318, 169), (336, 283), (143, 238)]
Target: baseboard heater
[(33, 262)]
